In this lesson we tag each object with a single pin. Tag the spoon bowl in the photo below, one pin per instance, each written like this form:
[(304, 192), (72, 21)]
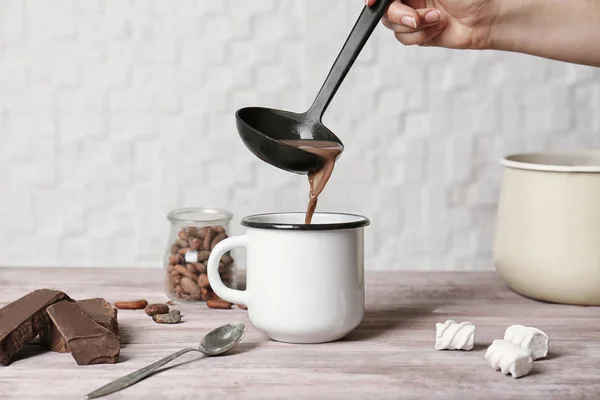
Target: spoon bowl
[(263, 129), (222, 339)]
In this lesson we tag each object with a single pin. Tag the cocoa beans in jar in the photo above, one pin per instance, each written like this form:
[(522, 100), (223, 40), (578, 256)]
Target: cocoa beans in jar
[(190, 246)]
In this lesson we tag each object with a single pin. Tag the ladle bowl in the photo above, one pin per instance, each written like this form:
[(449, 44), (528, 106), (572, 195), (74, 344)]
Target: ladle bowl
[(263, 129)]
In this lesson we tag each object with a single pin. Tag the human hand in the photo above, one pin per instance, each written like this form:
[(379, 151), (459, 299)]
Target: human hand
[(457, 24), (556, 29)]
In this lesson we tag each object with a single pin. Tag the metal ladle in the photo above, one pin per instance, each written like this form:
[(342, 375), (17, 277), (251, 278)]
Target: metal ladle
[(262, 129), (216, 342)]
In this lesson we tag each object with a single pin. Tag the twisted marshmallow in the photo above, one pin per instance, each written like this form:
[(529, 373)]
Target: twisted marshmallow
[(454, 336)]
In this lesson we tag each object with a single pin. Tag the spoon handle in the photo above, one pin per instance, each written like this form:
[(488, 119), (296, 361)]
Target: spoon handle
[(364, 26), (135, 376)]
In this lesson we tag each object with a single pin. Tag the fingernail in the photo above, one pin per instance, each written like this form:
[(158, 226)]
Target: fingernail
[(433, 16), (409, 21)]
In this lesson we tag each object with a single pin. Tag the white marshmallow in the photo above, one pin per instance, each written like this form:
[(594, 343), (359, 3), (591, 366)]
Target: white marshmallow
[(529, 338), (510, 358), (454, 336)]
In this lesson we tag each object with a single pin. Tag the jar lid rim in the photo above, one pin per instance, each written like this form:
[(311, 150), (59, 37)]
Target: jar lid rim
[(218, 214)]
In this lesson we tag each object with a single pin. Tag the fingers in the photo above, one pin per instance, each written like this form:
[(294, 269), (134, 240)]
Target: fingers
[(412, 26), (403, 28), (401, 14), (411, 3), (421, 37)]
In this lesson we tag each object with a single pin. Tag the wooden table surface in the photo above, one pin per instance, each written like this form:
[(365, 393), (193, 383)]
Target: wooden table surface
[(389, 356)]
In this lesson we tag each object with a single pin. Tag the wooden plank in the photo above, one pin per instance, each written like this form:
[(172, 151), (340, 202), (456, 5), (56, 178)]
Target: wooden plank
[(389, 356)]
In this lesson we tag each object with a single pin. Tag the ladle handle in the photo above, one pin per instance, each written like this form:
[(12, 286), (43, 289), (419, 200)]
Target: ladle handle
[(364, 26)]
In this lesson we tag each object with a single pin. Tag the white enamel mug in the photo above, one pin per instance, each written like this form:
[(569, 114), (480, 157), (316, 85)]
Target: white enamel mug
[(304, 283)]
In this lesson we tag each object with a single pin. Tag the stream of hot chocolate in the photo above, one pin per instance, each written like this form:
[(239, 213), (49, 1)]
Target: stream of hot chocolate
[(318, 179)]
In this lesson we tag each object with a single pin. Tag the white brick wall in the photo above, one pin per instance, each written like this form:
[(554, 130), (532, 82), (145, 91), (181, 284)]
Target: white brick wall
[(114, 112)]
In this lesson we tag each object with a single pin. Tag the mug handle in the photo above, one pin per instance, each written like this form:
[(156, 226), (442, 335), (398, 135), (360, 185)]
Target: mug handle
[(231, 295)]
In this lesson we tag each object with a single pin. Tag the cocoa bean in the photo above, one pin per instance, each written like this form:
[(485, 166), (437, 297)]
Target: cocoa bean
[(175, 278), (205, 293), (195, 244), (172, 317), (158, 308), (217, 239), (218, 229), (192, 231), (197, 297), (210, 235), (175, 259), (243, 307), (203, 281), (131, 305), (219, 304), (191, 268), (189, 286), (227, 260), (183, 235), (200, 267), (169, 268), (181, 243), (183, 251), (174, 249), (203, 255), (179, 268), (178, 290), (224, 269), (183, 271)]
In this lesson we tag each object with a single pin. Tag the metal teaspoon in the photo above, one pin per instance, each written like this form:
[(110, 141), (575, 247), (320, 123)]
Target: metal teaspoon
[(216, 342)]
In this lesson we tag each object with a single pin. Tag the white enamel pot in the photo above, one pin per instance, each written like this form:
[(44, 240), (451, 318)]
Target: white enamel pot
[(547, 237)]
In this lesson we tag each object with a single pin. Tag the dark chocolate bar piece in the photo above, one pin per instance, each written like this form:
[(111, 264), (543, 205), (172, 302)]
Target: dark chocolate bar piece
[(102, 312), (97, 309), (23, 319), (89, 342)]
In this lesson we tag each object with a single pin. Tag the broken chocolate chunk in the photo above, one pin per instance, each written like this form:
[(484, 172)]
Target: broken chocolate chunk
[(89, 342), (97, 309), (23, 319), (102, 312)]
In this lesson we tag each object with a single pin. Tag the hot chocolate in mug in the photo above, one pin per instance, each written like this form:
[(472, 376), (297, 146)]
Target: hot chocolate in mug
[(304, 283)]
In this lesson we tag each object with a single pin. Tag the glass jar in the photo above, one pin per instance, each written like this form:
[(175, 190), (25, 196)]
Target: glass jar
[(194, 233)]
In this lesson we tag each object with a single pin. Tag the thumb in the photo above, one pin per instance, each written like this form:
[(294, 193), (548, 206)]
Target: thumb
[(399, 13)]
